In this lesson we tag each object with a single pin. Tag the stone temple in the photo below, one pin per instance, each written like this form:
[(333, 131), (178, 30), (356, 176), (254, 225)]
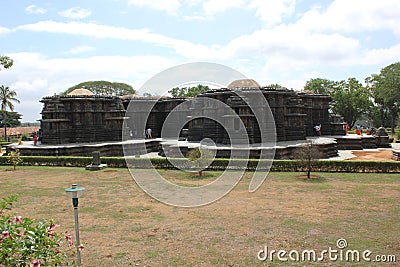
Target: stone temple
[(81, 117)]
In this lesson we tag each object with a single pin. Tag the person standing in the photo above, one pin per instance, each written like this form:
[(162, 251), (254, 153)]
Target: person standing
[(149, 136), (318, 129), (346, 128), (358, 129), (35, 139)]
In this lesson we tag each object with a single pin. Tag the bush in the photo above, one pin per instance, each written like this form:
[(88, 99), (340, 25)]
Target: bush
[(217, 164), (4, 143), (14, 158), (26, 242)]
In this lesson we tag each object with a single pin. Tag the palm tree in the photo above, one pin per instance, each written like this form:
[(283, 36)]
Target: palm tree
[(7, 96)]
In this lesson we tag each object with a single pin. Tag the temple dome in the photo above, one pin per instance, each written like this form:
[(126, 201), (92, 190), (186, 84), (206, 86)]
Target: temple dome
[(243, 83), (81, 91)]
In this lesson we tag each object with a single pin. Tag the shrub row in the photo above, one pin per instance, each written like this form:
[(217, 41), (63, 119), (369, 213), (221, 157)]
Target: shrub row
[(4, 143), (218, 164)]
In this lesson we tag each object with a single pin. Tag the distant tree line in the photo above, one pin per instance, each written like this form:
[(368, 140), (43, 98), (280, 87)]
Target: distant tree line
[(188, 91), (13, 119), (377, 101), (7, 97), (104, 88)]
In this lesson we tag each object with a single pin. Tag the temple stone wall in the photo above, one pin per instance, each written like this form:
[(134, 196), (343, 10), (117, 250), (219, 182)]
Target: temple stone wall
[(76, 119), (91, 118), (295, 115)]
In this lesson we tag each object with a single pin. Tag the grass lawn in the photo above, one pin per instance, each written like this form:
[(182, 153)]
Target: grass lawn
[(122, 226)]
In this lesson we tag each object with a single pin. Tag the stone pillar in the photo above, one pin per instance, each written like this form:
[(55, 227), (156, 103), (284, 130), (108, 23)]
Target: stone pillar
[(96, 162), (96, 157)]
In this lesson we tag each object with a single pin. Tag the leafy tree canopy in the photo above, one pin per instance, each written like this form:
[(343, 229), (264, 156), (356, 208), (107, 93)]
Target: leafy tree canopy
[(385, 88), (319, 86), (7, 97), (188, 91), (13, 119), (104, 88), (6, 62), (276, 86), (351, 100)]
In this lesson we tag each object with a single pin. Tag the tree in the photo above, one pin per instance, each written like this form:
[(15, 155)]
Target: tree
[(188, 91), (146, 94), (14, 158), (104, 88), (6, 62), (351, 100), (200, 158), (13, 119), (276, 86), (385, 88), (309, 154), (7, 96), (319, 86)]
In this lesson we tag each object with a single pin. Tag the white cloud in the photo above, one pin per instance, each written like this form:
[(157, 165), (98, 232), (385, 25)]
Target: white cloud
[(380, 56), (75, 13), (271, 12), (354, 16), (284, 42), (35, 76), (80, 49), (170, 6), (4, 30), (212, 7), (194, 18), (32, 9), (182, 47)]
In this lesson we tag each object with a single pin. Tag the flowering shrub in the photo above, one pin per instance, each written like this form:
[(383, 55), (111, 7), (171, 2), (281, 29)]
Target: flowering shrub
[(26, 242), (14, 158)]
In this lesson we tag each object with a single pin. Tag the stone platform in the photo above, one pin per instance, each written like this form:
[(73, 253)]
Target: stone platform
[(359, 142), (328, 146), (283, 150), (135, 147), (140, 147)]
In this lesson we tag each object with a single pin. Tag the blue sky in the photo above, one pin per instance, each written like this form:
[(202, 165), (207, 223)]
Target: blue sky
[(57, 44)]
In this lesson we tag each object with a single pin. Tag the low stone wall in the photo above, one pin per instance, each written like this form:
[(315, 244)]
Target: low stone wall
[(105, 149), (396, 155), (360, 142)]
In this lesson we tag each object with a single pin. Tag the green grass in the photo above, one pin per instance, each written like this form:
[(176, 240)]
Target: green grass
[(121, 225)]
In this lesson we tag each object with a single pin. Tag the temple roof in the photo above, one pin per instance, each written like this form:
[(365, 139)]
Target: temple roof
[(81, 91), (129, 96), (243, 83)]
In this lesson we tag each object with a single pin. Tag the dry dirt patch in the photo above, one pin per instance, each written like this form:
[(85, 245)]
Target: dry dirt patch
[(372, 155)]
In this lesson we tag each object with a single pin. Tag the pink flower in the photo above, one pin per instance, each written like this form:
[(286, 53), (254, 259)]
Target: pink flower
[(50, 231), (35, 263), (81, 246), (53, 226), (5, 234), (17, 219), (70, 243), (68, 237)]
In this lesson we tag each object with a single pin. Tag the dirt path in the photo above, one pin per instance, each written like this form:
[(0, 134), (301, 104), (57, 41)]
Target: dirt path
[(372, 155)]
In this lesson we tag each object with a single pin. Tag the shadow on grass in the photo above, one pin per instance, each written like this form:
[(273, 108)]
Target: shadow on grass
[(313, 178)]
